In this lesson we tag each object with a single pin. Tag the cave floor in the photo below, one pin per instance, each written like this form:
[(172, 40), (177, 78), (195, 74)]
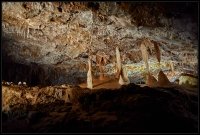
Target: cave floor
[(130, 108), (106, 83)]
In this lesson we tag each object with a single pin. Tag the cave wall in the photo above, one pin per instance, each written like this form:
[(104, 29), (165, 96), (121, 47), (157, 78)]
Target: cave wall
[(59, 36)]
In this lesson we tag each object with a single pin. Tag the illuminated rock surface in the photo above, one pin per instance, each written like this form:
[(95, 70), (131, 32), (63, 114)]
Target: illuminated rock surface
[(57, 38)]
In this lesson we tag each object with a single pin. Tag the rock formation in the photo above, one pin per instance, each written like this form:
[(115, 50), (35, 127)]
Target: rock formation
[(89, 75), (157, 50), (151, 80), (101, 60), (48, 45), (163, 80), (172, 67), (143, 49), (123, 78), (118, 63), (59, 35)]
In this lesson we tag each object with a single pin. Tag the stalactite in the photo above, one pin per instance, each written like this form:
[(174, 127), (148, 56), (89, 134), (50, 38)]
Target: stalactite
[(89, 75)]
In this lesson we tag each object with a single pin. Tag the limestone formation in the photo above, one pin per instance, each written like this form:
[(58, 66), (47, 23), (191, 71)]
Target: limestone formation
[(123, 79), (172, 66), (101, 60), (157, 50), (89, 75), (143, 49), (119, 64), (151, 80), (162, 79), (53, 38)]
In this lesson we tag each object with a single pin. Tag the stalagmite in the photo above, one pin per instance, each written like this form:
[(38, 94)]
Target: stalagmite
[(123, 79), (89, 75), (162, 79), (172, 66), (151, 80), (101, 69), (119, 65), (101, 60)]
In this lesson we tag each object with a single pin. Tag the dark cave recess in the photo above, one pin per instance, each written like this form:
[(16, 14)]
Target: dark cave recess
[(16, 72)]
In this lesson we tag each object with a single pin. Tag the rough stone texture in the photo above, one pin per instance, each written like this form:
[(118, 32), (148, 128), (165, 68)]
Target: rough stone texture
[(15, 96), (49, 43), (128, 109), (64, 34)]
